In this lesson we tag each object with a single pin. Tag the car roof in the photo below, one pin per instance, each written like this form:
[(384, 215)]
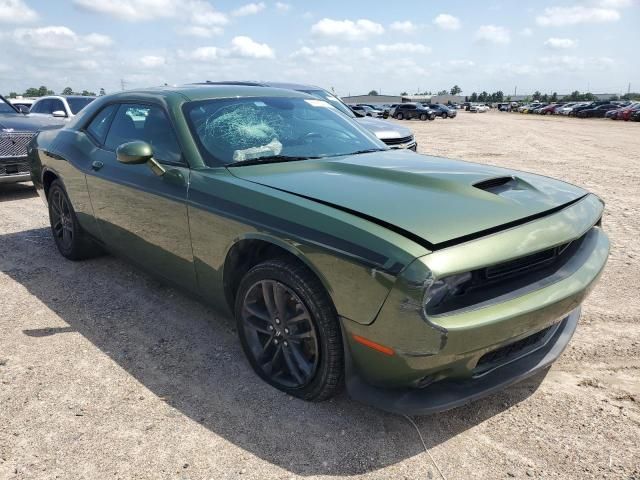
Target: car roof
[(194, 92), (259, 83)]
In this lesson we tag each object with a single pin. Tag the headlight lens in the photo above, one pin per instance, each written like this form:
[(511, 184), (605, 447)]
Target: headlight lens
[(437, 292)]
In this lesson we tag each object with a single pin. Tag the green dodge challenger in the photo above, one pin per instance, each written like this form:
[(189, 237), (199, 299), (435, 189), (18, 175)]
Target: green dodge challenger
[(419, 283)]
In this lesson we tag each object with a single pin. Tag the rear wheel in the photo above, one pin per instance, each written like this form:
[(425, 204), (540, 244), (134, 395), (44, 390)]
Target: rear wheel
[(432, 116), (289, 330), (399, 116), (72, 242), (445, 115), (423, 117)]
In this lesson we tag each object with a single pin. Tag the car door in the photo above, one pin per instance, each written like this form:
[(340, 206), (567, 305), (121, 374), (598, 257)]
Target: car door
[(140, 214)]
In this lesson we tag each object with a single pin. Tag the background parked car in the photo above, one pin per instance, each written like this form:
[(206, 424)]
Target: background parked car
[(407, 111), (22, 104), (596, 112), (16, 131), (64, 106), (442, 111), (373, 109)]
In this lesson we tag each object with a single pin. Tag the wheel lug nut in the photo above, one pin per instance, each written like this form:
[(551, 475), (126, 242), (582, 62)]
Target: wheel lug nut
[(277, 321), (286, 330), (270, 327), (275, 341), (286, 344)]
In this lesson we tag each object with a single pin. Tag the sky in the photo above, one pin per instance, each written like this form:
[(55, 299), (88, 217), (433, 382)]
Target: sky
[(351, 46)]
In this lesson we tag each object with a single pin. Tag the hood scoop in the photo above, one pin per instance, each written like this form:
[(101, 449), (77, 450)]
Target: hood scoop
[(497, 185)]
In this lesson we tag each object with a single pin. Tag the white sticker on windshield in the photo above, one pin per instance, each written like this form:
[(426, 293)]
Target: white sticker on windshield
[(317, 103), (260, 104)]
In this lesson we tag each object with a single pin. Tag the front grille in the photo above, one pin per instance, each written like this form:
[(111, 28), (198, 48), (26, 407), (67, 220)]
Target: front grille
[(503, 354), (495, 281), (14, 168), (14, 144), (398, 141)]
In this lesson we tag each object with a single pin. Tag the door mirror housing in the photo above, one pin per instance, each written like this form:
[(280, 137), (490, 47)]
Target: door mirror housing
[(134, 153), (59, 113), (137, 153)]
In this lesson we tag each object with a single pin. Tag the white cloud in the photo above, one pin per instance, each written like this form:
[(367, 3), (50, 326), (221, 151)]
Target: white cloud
[(568, 62), (16, 11), (58, 38), (615, 3), (203, 54), (447, 22), (560, 43), (347, 29), (249, 9), (199, 11), (152, 61), (246, 47), (403, 48), (405, 26), (282, 7), (199, 31), (577, 14), (526, 32), (493, 34), (97, 40)]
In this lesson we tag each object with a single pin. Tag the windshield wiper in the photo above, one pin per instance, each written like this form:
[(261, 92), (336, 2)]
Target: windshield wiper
[(358, 152), (269, 159)]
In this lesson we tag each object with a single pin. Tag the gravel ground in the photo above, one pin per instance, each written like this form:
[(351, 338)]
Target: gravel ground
[(106, 373)]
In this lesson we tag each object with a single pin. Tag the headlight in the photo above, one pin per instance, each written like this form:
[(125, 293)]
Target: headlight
[(438, 292)]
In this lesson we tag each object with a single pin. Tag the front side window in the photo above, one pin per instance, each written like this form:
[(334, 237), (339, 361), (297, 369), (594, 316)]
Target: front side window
[(233, 130), (100, 123), (41, 106), (146, 123), (57, 106), (5, 107)]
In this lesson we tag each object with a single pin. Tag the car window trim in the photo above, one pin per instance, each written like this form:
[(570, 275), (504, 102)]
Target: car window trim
[(103, 146)]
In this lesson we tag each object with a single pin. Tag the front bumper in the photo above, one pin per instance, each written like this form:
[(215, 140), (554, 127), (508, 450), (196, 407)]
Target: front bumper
[(452, 393), (447, 349), (20, 177)]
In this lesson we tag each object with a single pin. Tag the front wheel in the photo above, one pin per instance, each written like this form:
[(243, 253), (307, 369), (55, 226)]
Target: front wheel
[(399, 116), (72, 242), (289, 330), (432, 117), (444, 115), (423, 117)]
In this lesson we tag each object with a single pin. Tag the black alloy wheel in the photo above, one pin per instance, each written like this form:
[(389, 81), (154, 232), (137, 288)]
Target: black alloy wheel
[(289, 330), (71, 240)]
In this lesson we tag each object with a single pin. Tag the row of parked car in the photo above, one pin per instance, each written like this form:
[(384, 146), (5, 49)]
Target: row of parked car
[(406, 111), (596, 109)]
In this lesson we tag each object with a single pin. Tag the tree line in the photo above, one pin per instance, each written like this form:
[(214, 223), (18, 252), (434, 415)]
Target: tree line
[(43, 91)]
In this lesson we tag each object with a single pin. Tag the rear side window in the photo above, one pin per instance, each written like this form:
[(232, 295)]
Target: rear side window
[(146, 123), (42, 106), (100, 124)]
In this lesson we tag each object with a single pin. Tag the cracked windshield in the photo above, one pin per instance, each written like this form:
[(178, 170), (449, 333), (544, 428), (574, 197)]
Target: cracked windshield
[(256, 129)]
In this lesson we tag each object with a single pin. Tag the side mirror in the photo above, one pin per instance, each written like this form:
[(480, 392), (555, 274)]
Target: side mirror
[(137, 153), (59, 114)]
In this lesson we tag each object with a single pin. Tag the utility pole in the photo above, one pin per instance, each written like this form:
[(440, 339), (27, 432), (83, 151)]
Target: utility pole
[(629, 88), (122, 83), (515, 91)]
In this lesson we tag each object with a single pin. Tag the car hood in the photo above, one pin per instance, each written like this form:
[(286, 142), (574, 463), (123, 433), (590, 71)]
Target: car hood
[(384, 129), (29, 123), (429, 199)]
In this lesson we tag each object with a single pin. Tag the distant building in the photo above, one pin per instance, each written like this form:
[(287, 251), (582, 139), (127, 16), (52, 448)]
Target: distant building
[(382, 99)]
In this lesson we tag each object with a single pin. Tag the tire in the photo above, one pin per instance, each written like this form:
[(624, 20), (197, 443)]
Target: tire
[(72, 241), (399, 116), (423, 117), (432, 117), (316, 343), (445, 115)]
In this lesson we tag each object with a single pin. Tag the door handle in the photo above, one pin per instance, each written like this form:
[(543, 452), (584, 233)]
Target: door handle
[(97, 165)]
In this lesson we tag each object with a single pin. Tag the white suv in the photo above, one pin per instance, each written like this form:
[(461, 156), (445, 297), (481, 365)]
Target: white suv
[(60, 105)]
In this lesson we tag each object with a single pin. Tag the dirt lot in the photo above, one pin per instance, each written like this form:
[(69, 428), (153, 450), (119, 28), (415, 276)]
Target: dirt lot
[(105, 373)]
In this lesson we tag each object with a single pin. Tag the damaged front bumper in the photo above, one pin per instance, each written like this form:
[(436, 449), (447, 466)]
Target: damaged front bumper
[(451, 393), (437, 361)]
